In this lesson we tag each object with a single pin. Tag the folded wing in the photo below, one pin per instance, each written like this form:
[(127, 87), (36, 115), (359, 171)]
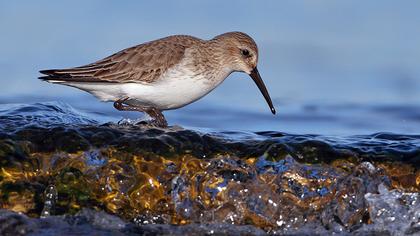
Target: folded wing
[(144, 63)]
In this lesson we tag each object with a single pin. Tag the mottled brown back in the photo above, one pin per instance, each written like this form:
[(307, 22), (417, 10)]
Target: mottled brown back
[(142, 63)]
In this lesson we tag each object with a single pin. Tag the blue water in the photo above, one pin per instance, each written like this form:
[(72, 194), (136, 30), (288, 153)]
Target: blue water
[(332, 67)]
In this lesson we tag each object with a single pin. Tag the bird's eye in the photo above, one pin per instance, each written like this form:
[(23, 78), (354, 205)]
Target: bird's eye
[(245, 52)]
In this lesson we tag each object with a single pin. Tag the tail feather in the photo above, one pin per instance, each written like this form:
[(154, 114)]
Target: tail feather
[(61, 76), (53, 77), (95, 72), (48, 72)]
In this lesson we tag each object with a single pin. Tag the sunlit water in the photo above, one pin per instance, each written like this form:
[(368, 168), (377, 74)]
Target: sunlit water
[(57, 160)]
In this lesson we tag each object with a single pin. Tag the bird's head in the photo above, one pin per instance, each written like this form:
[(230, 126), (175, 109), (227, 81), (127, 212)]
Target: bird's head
[(240, 54)]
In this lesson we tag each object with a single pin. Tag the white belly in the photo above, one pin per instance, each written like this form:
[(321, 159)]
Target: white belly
[(171, 92)]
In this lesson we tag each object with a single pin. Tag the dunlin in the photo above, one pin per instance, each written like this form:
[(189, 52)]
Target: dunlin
[(165, 74)]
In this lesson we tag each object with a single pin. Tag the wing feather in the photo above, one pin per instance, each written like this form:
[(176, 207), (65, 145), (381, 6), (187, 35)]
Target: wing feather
[(144, 63)]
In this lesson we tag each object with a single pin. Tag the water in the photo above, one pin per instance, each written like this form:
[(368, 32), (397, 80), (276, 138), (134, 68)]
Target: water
[(57, 161), (341, 156)]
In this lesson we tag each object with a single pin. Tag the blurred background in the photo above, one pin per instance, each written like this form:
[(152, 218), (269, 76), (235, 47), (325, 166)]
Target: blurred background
[(332, 67)]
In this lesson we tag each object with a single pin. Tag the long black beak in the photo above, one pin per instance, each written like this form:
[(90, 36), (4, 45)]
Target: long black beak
[(255, 75)]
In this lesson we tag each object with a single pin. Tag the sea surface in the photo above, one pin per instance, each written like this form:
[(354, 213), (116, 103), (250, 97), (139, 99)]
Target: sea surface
[(341, 156)]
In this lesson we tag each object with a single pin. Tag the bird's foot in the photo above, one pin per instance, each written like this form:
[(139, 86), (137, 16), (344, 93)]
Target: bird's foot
[(157, 116)]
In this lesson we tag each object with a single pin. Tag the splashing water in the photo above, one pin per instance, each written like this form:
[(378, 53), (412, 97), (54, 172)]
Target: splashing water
[(270, 181)]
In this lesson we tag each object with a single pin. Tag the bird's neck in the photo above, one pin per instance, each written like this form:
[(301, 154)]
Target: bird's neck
[(220, 51)]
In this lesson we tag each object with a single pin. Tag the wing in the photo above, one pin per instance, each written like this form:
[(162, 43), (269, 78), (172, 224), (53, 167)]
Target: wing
[(142, 63)]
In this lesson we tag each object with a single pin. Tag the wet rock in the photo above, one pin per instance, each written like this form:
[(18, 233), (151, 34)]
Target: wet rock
[(12, 223), (100, 223)]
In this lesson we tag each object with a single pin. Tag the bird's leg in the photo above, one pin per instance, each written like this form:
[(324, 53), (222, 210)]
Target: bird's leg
[(157, 116)]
